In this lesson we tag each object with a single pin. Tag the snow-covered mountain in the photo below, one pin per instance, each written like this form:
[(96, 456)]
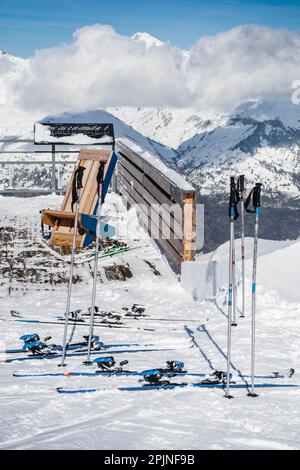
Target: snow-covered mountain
[(148, 39), (260, 139)]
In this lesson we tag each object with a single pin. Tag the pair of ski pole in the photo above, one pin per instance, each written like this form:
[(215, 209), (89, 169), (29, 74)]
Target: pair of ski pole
[(236, 195), (76, 192)]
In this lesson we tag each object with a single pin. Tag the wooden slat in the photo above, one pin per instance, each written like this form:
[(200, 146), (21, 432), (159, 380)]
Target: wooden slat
[(152, 176), (148, 169), (176, 221), (174, 242), (65, 239), (189, 228), (162, 196), (171, 254)]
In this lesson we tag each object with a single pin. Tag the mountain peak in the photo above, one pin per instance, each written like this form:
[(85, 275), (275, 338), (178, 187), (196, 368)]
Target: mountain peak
[(147, 39)]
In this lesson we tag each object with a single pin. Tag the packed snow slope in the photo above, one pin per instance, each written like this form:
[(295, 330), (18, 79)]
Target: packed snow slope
[(34, 416)]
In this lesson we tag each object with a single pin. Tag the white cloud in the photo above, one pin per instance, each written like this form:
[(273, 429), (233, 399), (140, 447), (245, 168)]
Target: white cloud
[(247, 62), (102, 68)]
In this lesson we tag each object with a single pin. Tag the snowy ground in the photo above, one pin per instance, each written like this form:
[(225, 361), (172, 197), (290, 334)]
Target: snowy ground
[(34, 416)]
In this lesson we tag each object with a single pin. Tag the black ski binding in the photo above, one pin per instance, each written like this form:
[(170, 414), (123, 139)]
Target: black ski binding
[(30, 338), (106, 364)]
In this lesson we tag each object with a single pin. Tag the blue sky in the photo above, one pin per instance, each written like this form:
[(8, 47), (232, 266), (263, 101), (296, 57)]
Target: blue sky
[(27, 25)]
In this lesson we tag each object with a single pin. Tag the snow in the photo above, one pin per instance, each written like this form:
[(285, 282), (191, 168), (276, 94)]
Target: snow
[(149, 40), (43, 135), (34, 416), (205, 277)]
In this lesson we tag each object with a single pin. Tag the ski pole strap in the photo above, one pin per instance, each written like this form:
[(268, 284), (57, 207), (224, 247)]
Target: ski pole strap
[(233, 200), (100, 179), (77, 184), (254, 197)]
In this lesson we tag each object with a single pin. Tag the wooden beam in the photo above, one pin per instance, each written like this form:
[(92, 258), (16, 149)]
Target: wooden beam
[(189, 233)]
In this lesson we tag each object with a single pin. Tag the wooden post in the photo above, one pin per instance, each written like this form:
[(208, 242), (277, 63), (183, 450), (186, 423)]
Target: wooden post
[(53, 172), (189, 232)]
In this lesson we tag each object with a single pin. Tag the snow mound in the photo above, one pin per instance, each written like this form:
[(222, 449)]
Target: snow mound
[(277, 269)]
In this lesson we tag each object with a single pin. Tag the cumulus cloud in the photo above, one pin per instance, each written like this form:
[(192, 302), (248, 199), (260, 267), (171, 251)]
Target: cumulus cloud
[(247, 62), (102, 68)]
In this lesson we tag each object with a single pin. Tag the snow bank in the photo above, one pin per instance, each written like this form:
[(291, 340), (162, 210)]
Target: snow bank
[(277, 269)]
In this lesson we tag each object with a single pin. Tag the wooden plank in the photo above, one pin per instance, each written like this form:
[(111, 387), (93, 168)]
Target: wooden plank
[(151, 189), (174, 242), (65, 239), (147, 169), (50, 217), (189, 229), (171, 254), (175, 219), (150, 169)]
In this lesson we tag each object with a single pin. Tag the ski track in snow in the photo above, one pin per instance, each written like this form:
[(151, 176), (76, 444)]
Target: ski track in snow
[(34, 416)]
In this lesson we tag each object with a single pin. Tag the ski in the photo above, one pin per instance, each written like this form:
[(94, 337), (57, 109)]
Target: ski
[(80, 260), (78, 323), (170, 386), (73, 347), (274, 375), (81, 353), (107, 254)]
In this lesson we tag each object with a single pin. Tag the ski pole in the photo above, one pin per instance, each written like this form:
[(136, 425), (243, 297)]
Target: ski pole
[(100, 178), (231, 216), (241, 183), (255, 194), (76, 190), (234, 323)]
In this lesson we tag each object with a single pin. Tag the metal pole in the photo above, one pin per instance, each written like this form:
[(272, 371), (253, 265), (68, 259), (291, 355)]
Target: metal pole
[(98, 230), (229, 325), (234, 293), (100, 178), (53, 173), (256, 203), (70, 284), (243, 255), (230, 289), (242, 192)]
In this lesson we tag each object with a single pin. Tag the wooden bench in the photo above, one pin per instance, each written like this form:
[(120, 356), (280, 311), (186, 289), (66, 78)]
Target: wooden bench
[(62, 220)]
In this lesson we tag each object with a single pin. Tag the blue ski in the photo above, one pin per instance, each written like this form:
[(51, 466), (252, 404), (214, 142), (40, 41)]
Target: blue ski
[(120, 372), (74, 347), (104, 373), (173, 386), (55, 355)]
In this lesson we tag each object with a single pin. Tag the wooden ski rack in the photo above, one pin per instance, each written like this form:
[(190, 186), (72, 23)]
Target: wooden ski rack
[(62, 220)]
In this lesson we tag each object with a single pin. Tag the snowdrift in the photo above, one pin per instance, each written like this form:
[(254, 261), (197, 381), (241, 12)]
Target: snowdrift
[(277, 269)]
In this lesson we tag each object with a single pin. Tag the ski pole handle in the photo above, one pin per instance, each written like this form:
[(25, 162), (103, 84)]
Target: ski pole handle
[(232, 192), (232, 199), (257, 195), (242, 183)]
